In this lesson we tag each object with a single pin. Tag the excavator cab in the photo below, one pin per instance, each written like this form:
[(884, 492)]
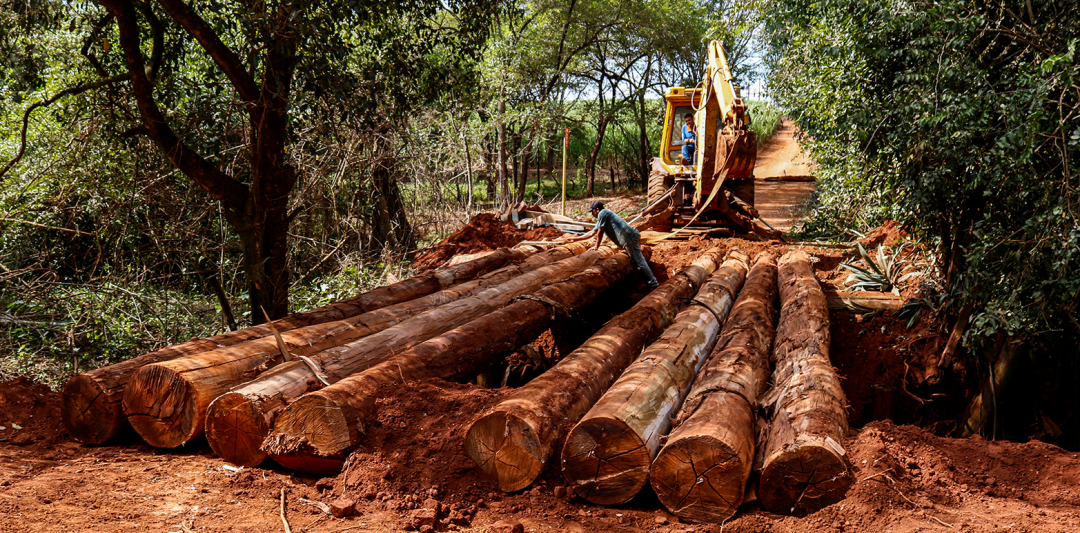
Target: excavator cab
[(717, 187)]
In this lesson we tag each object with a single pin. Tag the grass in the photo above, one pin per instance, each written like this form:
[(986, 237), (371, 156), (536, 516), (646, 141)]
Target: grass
[(766, 119)]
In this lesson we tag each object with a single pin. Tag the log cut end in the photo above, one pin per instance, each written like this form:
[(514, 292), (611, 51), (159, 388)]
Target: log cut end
[(162, 407), (506, 449), (804, 477), (700, 478), (605, 461), (235, 429), (91, 415), (314, 422)]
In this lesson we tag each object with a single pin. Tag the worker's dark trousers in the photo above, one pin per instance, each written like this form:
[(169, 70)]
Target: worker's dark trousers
[(633, 249)]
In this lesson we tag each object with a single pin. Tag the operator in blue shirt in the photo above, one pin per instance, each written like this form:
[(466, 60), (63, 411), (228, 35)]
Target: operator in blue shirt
[(689, 140), (622, 234)]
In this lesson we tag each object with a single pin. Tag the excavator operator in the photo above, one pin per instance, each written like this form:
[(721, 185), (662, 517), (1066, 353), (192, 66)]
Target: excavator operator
[(689, 140)]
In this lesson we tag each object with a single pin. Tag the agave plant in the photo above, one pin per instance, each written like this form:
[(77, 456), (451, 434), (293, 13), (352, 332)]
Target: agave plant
[(885, 272)]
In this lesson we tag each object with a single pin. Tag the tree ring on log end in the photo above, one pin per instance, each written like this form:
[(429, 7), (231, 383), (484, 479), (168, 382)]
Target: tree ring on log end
[(506, 449), (318, 422), (605, 461), (804, 477), (88, 414), (699, 478), (235, 429), (162, 407)]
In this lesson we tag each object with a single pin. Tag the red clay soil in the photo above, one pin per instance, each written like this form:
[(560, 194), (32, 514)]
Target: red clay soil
[(484, 232), (907, 479)]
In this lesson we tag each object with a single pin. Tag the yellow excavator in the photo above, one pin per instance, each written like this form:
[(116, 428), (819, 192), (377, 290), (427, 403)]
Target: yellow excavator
[(716, 189)]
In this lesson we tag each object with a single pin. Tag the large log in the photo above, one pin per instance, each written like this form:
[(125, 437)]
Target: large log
[(514, 440), (607, 455), (331, 421), (700, 474), (166, 402), (805, 467), (92, 411)]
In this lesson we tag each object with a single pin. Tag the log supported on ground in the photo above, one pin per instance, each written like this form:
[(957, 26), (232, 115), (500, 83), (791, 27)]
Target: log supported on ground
[(92, 411), (331, 421), (700, 474), (607, 455), (513, 441), (804, 466), (166, 402), (243, 420)]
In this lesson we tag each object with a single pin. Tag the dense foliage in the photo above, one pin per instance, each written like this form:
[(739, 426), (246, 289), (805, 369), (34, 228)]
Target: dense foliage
[(960, 118)]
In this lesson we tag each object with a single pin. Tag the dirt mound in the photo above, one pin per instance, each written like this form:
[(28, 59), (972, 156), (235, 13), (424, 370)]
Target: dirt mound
[(484, 232), (890, 234), (29, 413)]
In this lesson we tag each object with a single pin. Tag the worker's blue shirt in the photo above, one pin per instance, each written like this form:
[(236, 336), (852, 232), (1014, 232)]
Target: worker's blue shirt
[(615, 228), (688, 149)]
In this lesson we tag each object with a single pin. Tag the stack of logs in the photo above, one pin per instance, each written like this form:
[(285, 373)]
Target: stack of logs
[(675, 392)]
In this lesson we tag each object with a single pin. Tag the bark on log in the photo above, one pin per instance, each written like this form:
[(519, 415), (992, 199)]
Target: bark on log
[(248, 414), (512, 442), (166, 402), (330, 421), (804, 466), (700, 474), (607, 455), (92, 411), (863, 301)]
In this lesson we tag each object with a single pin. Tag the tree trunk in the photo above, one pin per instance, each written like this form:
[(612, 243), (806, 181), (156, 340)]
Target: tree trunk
[(295, 378), (457, 355), (166, 402), (804, 467), (700, 474), (607, 455), (983, 407), (504, 188), (601, 127), (644, 147), (513, 441), (392, 226), (92, 410)]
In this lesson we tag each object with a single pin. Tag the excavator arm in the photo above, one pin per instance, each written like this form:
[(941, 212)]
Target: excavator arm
[(727, 148)]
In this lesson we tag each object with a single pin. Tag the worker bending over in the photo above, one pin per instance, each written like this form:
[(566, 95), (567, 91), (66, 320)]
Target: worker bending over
[(622, 234)]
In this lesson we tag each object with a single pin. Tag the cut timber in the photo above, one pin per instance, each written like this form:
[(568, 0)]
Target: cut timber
[(606, 458), (331, 421), (92, 411), (700, 475), (513, 441), (863, 301), (804, 466), (247, 413), (166, 402)]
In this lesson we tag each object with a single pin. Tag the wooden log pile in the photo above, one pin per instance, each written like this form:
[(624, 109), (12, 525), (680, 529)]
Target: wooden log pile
[(701, 472), (92, 411), (166, 403), (607, 455), (330, 421), (513, 441)]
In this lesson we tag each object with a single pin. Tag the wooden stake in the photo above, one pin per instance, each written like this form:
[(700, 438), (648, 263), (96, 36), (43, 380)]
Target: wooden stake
[(606, 458), (513, 441), (92, 411), (804, 467), (701, 472)]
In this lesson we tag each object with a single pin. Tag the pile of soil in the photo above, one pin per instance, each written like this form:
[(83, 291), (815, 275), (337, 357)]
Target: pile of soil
[(483, 233), (28, 413)]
